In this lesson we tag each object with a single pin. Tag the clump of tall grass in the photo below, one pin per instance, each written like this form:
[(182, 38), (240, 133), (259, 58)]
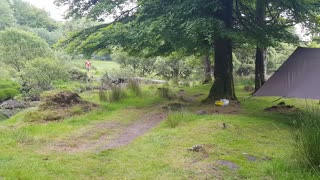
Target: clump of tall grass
[(134, 86), (307, 139), (102, 95), (22, 136), (165, 92), (174, 119), (116, 93)]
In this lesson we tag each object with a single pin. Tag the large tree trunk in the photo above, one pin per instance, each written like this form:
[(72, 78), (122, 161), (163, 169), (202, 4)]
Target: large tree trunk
[(261, 51), (223, 86), (260, 67), (207, 69)]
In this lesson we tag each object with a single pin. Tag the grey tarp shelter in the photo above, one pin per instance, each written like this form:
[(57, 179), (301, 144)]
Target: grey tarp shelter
[(298, 77)]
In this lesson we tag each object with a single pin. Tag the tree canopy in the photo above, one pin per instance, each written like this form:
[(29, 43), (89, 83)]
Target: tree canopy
[(28, 15), (6, 14), (160, 27), (18, 47)]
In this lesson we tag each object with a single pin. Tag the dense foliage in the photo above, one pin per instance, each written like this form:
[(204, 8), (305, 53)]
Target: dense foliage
[(18, 46)]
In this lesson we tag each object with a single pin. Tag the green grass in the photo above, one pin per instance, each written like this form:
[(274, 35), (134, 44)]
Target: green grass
[(99, 68), (162, 152)]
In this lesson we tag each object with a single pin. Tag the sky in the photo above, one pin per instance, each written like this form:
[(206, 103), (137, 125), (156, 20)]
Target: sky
[(54, 11)]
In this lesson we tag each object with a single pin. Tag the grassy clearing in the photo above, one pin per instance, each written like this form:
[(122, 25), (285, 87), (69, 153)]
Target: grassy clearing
[(98, 67), (257, 142)]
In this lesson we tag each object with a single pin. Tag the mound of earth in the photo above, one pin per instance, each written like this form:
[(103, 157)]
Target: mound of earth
[(60, 99), (59, 105), (282, 107)]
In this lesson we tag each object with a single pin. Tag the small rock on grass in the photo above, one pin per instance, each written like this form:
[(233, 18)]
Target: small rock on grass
[(230, 165), (251, 158), (196, 148)]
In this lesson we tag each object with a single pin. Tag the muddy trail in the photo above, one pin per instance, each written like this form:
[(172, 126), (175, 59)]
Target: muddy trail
[(109, 135)]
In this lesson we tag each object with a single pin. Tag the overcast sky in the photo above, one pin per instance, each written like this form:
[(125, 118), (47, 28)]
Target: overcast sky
[(54, 11)]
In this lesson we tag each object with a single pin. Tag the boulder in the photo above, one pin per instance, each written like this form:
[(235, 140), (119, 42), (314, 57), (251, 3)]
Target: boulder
[(12, 104)]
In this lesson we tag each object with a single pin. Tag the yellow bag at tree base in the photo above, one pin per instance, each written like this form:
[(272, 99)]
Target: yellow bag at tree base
[(219, 103), (222, 102)]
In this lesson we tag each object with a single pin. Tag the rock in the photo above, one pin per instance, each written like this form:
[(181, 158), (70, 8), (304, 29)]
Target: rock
[(196, 148), (267, 159), (228, 164), (202, 112), (251, 158), (12, 104), (9, 112), (182, 98)]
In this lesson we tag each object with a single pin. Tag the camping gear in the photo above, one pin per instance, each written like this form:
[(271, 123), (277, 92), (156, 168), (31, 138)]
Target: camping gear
[(222, 102), (218, 103), (298, 77)]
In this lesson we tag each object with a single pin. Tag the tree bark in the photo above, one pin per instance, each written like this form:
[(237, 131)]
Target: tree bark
[(207, 69), (260, 67), (223, 86), (261, 51)]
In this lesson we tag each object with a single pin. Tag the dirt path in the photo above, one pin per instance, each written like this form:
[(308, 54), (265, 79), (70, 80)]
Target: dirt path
[(133, 131), (109, 135)]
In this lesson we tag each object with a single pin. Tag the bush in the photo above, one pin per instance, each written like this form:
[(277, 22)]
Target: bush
[(8, 93), (307, 139), (77, 75), (8, 90), (245, 70), (39, 75)]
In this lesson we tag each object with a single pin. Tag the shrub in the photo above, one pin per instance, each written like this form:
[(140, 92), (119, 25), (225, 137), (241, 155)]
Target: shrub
[(245, 70), (8, 93), (307, 139), (77, 75), (8, 90), (39, 75)]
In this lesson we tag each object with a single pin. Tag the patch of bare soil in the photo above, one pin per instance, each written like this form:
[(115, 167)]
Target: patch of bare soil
[(109, 135), (282, 108), (234, 107)]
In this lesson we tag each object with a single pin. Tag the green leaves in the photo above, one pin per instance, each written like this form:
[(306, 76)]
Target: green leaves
[(17, 47), (28, 15), (6, 15)]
